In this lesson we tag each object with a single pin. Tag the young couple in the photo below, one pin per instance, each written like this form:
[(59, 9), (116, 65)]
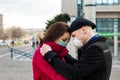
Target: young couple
[(51, 60)]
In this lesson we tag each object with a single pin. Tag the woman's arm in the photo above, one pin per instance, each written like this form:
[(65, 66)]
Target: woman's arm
[(47, 68)]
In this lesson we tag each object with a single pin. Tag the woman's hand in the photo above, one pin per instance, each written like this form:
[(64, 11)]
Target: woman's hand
[(44, 49)]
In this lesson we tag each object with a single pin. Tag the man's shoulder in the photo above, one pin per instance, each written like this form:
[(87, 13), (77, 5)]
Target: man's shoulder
[(101, 45)]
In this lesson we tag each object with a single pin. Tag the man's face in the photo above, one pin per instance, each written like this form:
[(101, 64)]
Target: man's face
[(75, 33), (79, 34)]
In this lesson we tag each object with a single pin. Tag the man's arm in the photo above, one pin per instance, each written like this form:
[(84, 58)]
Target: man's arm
[(69, 59), (85, 65)]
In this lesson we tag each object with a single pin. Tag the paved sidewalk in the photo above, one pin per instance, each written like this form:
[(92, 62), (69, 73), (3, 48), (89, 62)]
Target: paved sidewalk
[(15, 70), (115, 74), (22, 70)]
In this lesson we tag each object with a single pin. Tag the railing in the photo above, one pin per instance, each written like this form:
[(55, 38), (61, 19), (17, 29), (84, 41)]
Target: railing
[(22, 53)]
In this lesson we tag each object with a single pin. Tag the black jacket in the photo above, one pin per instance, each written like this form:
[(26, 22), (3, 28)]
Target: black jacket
[(94, 62)]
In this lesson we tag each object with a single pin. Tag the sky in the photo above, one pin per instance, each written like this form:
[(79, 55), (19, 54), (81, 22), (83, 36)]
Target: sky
[(28, 13)]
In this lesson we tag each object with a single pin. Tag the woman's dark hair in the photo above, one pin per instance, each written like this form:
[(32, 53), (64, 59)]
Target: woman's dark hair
[(56, 30)]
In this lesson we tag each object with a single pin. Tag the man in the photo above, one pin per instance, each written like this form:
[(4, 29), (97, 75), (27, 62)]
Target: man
[(94, 61)]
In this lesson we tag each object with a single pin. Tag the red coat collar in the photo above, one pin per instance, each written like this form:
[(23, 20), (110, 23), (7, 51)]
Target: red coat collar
[(60, 50)]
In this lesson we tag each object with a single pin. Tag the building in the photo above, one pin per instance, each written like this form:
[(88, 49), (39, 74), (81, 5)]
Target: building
[(105, 13), (1, 26)]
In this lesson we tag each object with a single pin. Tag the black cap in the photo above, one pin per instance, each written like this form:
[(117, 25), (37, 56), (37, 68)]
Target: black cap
[(79, 22)]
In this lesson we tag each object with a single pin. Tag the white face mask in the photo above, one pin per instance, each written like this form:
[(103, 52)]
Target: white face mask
[(77, 43)]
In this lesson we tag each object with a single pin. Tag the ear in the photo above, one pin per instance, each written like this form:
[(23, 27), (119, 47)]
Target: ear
[(84, 29)]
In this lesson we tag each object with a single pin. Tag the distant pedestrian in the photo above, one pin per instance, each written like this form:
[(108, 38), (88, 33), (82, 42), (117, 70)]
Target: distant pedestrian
[(37, 43), (12, 43), (33, 44)]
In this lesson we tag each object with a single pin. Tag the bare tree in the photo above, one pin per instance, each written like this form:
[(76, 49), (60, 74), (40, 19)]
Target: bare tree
[(7, 34), (16, 32)]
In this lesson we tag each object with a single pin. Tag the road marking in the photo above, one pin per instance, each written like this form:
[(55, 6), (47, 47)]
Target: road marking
[(4, 55), (23, 49), (19, 55)]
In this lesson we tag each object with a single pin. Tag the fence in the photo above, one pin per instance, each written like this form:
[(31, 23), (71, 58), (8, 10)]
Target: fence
[(22, 53)]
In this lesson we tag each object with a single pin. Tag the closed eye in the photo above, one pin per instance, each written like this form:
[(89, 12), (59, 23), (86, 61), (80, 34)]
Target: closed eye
[(66, 40)]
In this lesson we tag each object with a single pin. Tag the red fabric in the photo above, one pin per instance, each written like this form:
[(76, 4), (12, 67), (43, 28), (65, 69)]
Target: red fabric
[(41, 69)]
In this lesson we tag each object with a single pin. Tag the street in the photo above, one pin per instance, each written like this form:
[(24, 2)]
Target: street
[(15, 69), (6, 50), (6, 54)]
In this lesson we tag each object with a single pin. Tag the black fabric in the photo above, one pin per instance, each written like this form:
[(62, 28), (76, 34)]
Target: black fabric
[(69, 59), (79, 53), (94, 63), (48, 57), (80, 22)]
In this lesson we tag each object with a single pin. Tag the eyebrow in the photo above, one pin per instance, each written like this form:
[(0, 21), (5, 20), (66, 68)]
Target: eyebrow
[(66, 39)]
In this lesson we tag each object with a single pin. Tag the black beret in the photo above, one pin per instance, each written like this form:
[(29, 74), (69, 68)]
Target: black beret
[(79, 22)]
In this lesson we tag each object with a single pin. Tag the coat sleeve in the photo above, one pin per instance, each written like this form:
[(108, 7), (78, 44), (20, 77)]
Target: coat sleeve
[(47, 68), (85, 65), (69, 59)]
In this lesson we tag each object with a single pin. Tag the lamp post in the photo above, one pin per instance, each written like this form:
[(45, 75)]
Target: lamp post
[(115, 40), (80, 8), (90, 10)]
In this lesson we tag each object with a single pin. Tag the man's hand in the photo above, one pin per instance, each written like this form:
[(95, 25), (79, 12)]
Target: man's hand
[(44, 49)]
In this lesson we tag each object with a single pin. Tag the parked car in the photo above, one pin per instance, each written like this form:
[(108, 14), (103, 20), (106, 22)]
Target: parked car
[(2, 43), (26, 42), (8, 42)]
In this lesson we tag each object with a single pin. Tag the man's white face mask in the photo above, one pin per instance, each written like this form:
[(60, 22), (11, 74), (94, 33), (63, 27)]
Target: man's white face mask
[(77, 43)]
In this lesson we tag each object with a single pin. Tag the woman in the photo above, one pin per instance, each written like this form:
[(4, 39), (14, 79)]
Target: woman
[(57, 36)]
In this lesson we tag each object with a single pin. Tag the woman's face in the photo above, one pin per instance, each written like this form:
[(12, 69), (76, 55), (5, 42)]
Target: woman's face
[(65, 38)]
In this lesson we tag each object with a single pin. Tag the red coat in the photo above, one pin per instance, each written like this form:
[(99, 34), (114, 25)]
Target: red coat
[(41, 69)]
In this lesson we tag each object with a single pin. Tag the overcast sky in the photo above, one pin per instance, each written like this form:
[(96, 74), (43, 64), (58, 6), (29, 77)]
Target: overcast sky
[(28, 13)]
